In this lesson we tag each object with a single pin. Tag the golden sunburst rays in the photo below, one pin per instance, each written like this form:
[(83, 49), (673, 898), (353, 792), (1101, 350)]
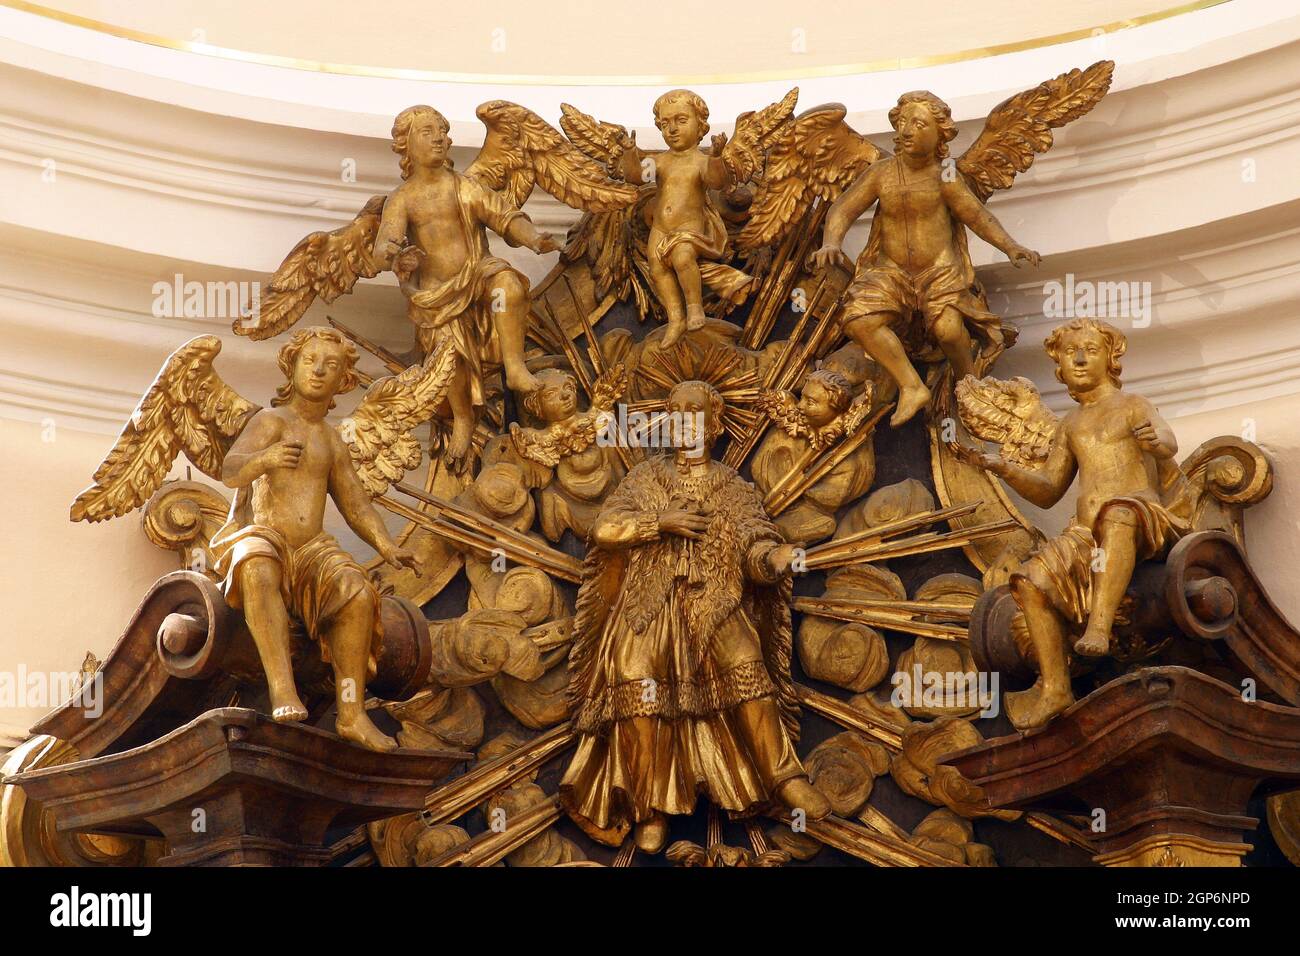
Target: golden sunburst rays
[(720, 366)]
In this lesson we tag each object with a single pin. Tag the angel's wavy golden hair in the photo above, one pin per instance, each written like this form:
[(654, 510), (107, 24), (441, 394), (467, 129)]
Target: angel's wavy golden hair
[(938, 109), (402, 132), (290, 351), (693, 100), (1115, 340), (839, 388)]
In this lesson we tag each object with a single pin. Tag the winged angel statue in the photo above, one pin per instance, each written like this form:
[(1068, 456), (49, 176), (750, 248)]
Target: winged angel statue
[(273, 554)]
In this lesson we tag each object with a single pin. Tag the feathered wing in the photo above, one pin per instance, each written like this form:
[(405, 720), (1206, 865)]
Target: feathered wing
[(817, 155), (379, 432), (324, 265), (1010, 413), (743, 153), (1021, 126), (521, 149), (783, 409), (187, 408), (599, 140), (609, 388), (859, 410)]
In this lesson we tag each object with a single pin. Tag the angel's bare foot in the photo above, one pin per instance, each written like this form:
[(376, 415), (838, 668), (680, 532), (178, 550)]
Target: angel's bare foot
[(519, 379), (1027, 709), (910, 401), (360, 729), (695, 318), (1094, 643), (798, 794), (672, 332), (651, 835), (458, 445), (286, 705)]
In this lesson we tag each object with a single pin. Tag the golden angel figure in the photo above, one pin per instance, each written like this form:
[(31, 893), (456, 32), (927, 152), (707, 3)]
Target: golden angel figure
[(688, 237), (1132, 503), (916, 262), (681, 660), (284, 461), (432, 231)]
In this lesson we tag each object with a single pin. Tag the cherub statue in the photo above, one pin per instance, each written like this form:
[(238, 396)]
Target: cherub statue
[(916, 261), (432, 231), (581, 469), (688, 238), (681, 658), (1131, 503), (825, 411), (273, 554)]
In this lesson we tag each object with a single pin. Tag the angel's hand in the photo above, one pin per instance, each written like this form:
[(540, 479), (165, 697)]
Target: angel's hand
[(1147, 436), (827, 256), (545, 243), (781, 558), (687, 524), (973, 456), (283, 454), (1018, 254), (719, 143), (407, 262), (402, 558)]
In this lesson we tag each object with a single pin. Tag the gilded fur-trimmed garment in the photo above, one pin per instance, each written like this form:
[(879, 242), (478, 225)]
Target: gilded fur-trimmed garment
[(681, 660)]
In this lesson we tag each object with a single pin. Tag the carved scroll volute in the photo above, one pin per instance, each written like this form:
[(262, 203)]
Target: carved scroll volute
[(182, 516), (1226, 475)]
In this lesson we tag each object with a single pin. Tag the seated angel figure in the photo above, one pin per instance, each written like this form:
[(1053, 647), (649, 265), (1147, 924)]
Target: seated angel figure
[(273, 554), (1131, 505)]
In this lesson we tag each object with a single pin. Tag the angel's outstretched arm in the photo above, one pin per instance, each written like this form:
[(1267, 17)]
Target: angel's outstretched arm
[(717, 174), (354, 502), (1043, 486), (392, 232), (851, 204), (965, 205), (256, 451)]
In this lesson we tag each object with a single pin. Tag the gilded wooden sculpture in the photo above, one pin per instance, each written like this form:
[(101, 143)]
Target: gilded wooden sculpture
[(701, 575)]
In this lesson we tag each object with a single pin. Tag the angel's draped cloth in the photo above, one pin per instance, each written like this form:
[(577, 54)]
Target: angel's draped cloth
[(317, 579), (709, 244), (680, 671), (461, 307)]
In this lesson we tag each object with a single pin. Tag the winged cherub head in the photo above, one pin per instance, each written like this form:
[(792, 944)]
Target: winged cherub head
[(420, 138), (318, 363), (825, 396), (922, 124), (555, 399), (682, 118), (1086, 353)]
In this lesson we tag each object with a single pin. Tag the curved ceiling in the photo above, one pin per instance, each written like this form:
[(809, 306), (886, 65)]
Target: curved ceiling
[(664, 41)]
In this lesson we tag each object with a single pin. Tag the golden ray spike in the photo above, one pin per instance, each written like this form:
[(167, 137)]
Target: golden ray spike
[(892, 528), (847, 611), (453, 800), (1059, 830), (391, 361), (919, 544), (867, 844), (625, 854), (491, 846), (873, 818), (757, 838), (850, 718), (940, 610)]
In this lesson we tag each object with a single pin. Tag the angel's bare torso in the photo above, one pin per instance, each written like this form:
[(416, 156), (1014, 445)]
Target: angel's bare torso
[(291, 500), (681, 196), (426, 211), (916, 223), (1110, 460)]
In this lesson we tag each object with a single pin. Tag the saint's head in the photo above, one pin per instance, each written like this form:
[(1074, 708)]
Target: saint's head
[(696, 411), (420, 138)]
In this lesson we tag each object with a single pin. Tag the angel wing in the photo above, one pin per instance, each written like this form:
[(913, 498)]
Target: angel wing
[(783, 409), (743, 153), (599, 140), (325, 265), (859, 410), (187, 408), (521, 149), (1010, 413), (378, 432), (1021, 126), (609, 388), (817, 155)]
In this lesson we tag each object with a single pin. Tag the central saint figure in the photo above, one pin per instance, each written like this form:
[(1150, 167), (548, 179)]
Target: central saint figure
[(680, 671)]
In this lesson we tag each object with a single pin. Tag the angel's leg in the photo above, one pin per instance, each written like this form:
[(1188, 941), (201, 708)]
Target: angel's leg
[(1117, 532), (950, 331), (1051, 693), (687, 270), (349, 640), (461, 402), (664, 280), (878, 340), (268, 622), (508, 302)]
